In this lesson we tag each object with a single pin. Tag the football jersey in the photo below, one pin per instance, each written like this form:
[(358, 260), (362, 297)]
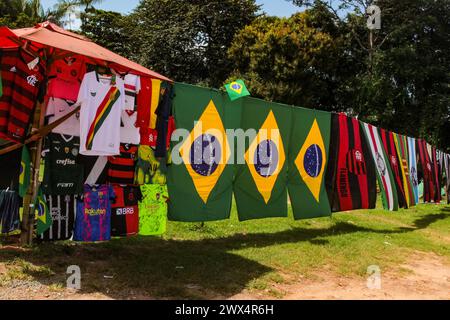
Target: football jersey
[(62, 173), (129, 133), (149, 170), (132, 88), (65, 78), (58, 108), (93, 219), (102, 101), (9, 211), (147, 102), (10, 178), (121, 168), (95, 169), (62, 209), (125, 211), (153, 210), (21, 79)]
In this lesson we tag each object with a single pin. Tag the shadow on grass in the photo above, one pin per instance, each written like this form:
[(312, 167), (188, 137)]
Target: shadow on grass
[(133, 267)]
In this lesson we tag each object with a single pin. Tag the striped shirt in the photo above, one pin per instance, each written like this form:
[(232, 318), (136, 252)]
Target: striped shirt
[(20, 91)]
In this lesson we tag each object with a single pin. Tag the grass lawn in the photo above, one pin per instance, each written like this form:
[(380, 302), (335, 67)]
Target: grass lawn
[(221, 259)]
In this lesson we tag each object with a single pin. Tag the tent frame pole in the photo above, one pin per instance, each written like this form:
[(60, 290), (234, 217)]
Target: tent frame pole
[(28, 216)]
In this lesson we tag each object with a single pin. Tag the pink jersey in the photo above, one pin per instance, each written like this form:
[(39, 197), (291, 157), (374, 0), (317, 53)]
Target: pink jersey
[(65, 78)]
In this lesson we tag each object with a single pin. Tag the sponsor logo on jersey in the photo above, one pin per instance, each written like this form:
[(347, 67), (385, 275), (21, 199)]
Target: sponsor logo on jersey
[(124, 211), (65, 185), (95, 212), (65, 162)]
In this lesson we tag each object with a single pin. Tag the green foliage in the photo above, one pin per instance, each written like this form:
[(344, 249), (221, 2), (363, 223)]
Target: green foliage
[(188, 40), (298, 60), (20, 13), (108, 29)]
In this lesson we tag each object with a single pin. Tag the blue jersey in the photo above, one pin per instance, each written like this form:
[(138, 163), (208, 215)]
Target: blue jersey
[(93, 221)]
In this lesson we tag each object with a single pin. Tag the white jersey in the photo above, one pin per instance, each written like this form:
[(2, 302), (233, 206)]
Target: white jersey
[(128, 131), (58, 108), (101, 107), (132, 88)]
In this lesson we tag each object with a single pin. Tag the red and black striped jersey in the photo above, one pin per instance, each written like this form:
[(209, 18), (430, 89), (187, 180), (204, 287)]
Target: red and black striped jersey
[(21, 83), (351, 176), (121, 168), (125, 211)]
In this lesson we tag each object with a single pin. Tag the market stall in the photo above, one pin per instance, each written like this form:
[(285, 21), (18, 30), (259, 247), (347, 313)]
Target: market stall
[(58, 84)]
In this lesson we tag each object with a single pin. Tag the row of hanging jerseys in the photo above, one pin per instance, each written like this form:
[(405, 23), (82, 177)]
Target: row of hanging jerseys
[(104, 167)]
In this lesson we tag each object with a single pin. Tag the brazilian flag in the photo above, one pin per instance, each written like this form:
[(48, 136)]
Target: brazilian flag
[(200, 187), (260, 184), (237, 90), (308, 161), (25, 172), (43, 215)]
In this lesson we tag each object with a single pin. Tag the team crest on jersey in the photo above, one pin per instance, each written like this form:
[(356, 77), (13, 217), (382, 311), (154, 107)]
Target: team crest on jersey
[(66, 150), (32, 80), (380, 164), (75, 152), (206, 152), (265, 157)]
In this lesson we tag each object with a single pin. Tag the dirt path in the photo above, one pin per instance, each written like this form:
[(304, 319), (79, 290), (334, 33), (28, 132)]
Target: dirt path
[(424, 276)]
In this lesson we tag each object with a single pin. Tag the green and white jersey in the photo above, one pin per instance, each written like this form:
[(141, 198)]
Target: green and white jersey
[(63, 175)]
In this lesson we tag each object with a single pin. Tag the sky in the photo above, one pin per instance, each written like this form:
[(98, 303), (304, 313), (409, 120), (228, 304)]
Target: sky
[(280, 8)]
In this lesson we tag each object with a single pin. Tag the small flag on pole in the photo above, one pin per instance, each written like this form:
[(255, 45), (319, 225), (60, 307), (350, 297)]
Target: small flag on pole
[(237, 89), (25, 172), (43, 216)]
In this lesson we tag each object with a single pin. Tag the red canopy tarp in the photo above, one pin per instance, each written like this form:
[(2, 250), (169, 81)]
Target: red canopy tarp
[(49, 35)]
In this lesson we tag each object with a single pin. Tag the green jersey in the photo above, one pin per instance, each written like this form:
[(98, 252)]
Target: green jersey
[(149, 170), (153, 210)]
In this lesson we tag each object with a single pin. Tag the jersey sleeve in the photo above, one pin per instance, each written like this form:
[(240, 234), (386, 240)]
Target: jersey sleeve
[(138, 84), (84, 88), (50, 111)]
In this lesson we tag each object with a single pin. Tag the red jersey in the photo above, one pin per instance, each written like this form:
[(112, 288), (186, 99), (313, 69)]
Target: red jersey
[(21, 80), (121, 168), (147, 102), (125, 211), (65, 78)]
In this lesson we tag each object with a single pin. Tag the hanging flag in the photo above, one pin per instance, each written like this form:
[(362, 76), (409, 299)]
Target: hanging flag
[(387, 139), (351, 177), (43, 215), (25, 172), (447, 175), (308, 161), (427, 171), (412, 165), (200, 187), (384, 172), (435, 176), (237, 89), (260, 183), (402, 150)]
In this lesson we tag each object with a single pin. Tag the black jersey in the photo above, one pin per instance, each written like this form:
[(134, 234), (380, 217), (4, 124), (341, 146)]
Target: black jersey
[(63, 175), (63, 210)]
